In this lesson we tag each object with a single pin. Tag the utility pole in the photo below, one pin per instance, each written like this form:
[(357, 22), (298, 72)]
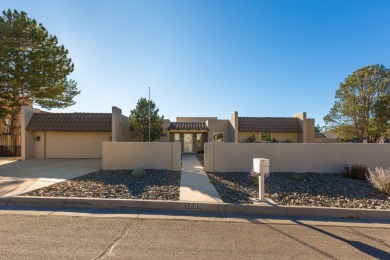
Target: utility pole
[(149, 114)]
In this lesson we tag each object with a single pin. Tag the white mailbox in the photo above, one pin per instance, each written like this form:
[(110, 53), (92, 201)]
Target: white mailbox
[(261, 166)]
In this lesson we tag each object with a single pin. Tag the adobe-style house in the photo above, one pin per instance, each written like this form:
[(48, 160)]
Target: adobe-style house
[(193, 132), (80, 135), (70, 135)]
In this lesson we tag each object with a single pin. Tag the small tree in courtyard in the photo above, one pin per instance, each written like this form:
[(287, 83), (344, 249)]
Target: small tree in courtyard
[(139, 121)]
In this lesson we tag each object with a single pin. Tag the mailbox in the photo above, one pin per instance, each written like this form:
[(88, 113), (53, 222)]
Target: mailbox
[(261, 165)]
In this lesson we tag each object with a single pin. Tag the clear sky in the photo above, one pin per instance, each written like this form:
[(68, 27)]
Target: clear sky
[(210, 58)]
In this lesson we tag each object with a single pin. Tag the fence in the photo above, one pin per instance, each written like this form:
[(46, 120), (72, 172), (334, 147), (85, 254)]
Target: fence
[(10, 145), (307, 157)]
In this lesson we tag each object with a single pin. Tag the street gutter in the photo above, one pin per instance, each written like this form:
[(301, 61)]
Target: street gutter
[(261, 208)]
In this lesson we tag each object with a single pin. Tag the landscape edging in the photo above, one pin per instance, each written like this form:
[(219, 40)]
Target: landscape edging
[(165, 205)]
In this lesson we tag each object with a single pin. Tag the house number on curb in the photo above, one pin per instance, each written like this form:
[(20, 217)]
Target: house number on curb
[(193, 206)]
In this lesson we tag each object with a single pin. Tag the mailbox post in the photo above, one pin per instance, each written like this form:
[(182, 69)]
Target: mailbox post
[(261, 167)]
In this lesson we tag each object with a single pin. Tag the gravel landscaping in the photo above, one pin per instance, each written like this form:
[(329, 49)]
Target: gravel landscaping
[(155, 185), (306, 189)]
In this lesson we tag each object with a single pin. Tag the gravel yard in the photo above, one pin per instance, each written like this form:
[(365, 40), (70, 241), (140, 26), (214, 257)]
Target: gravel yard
[(155, 185), (307, 189)]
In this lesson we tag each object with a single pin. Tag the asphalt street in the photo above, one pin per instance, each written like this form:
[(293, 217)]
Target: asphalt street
[(70, 235)]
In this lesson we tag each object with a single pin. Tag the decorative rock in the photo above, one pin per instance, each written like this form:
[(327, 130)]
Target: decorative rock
[(156, 184), (313, 189)]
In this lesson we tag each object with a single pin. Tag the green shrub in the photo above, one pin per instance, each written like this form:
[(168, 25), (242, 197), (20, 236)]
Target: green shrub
[(273, 140), (380, 178), (251, 139), (253, 178), (296, 177), (138, 173), (356, 171)]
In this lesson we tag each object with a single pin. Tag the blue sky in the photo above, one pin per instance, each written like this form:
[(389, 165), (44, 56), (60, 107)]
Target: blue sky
[(210, 58)]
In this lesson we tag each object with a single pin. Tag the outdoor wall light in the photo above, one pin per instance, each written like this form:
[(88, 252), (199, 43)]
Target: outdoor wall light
[(38, 138), (194, 135), (181, 135)]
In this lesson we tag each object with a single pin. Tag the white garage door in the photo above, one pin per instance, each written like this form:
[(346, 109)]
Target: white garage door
[(75, 144)]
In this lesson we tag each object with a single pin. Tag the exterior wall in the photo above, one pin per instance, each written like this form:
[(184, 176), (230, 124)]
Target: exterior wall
[(295, 157), (218, 126), (233, 127), (40, 145), (243, 136), (165, 136), (195, 119), (74, 144), (28, 138), (302, 121), (325, 140), (284, 136), (131, 155), (120, 126), (3, 128), (310, 131)]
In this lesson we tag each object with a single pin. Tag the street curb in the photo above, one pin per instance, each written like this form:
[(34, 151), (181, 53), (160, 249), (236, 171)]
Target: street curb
[(188, 207)]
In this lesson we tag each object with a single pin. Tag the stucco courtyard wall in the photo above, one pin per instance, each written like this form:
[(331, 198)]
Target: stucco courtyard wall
[(131, 155), (294, 157)]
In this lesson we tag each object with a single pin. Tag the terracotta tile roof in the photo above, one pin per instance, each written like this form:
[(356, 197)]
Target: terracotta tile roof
[(269, 124), (188, 126), (70, 122)]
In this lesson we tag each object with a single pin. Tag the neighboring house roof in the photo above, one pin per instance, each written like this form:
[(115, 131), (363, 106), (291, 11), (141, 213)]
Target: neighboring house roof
[(269, 124), (331, 134), (318, 135), (70, 122), (188, 126)]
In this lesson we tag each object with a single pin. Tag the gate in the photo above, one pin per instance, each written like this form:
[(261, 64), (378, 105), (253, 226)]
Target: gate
[(10, 145)]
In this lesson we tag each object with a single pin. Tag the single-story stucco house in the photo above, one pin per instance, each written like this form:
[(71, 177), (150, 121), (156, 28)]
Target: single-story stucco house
[(193, 132), (80, 135)]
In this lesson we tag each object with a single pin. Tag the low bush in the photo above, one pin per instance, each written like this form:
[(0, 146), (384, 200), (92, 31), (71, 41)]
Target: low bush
[(253, 178), (356, 171), (296, 177), (138, 173), (380, 178), (251, 139)]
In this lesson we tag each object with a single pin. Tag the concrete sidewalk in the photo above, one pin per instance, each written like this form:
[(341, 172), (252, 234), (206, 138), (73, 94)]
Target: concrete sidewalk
[(195, 184)]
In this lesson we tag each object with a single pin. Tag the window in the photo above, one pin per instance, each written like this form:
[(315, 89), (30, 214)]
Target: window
[(266, 137), (199, 140), (177, 137), (218, 137)]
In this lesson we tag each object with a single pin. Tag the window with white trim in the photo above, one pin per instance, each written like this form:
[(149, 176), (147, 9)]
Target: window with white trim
[(218, 137)]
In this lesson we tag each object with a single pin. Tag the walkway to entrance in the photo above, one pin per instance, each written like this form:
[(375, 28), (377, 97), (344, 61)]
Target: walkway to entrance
[(195, 184)]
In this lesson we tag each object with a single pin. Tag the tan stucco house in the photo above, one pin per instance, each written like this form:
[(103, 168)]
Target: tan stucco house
[(70, 135), (193, 132), (80, 135)]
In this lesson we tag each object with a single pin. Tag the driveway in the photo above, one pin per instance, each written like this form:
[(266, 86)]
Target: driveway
[(22, 176)]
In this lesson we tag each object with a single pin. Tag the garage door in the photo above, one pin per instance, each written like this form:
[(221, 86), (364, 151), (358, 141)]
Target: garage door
[(75, 144)]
